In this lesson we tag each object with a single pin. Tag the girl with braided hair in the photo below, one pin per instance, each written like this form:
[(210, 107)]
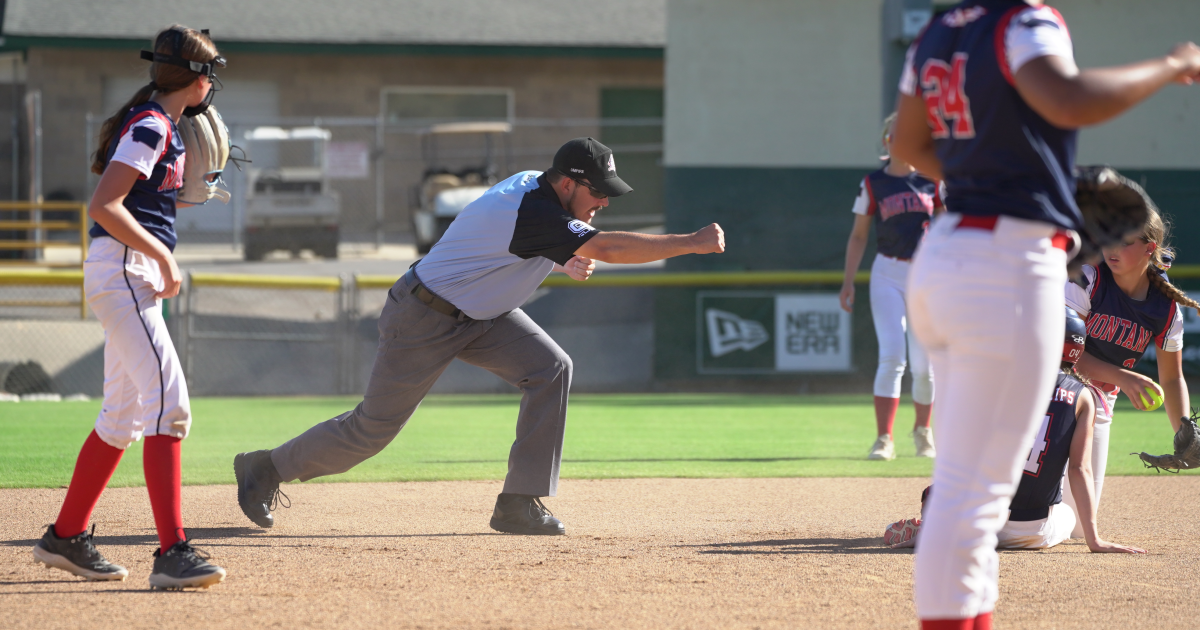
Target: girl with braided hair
[(1129, 304), (129, 270)]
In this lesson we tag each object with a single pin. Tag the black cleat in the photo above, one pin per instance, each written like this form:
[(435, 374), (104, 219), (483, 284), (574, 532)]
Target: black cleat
[(258, 487), (76, 555), (183, 566), (524, 514)]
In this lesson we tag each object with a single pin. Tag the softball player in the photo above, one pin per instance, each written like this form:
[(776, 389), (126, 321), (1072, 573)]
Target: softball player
[(990, 100), (129, 269), (1130, 304), (1037, 519), (900, 203)]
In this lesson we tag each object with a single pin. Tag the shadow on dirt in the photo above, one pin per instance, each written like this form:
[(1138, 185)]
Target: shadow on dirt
[(838, 546)]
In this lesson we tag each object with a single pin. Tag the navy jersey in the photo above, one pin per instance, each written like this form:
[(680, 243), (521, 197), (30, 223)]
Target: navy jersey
[(999, 156), (1119, 327), (1041, 480), (149, 142), (901, 206)]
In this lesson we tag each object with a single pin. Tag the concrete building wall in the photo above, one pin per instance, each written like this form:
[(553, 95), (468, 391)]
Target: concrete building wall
[(327, 85)]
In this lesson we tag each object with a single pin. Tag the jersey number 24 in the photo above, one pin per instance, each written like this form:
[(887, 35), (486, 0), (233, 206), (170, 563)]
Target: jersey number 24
[(1033, 463), (946, 104)]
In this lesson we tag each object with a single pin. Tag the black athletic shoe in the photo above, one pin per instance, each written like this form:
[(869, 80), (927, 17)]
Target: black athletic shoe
[(76, 555), (184, 566), (258, 487), (524, 514)]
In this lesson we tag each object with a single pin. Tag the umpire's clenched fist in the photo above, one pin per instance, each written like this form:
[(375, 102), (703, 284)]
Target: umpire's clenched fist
[(709, 240)]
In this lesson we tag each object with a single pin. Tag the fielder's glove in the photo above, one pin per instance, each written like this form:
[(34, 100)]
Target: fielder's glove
[(1113, 207), (206, 144), (1187, 449)]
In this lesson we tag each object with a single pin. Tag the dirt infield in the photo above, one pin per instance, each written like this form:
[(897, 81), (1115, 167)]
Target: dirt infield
[(648, 553)]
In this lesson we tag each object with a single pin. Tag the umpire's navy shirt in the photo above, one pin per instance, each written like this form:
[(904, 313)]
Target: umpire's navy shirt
[(502, 246)]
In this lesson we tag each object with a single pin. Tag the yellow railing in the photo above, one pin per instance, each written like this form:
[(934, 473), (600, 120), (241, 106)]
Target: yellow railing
[(38, 229)]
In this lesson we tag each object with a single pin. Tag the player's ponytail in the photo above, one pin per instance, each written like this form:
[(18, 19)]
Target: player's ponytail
[(1157, 232), (164, 79)]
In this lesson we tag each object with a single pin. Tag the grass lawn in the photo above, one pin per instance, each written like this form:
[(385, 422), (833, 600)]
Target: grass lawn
[(467, 437)]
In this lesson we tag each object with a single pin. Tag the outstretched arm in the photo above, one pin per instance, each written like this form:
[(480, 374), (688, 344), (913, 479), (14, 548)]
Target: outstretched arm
[(635, 247), (1129, 381), (1175, 389), (1070, 98), (1079, 471)]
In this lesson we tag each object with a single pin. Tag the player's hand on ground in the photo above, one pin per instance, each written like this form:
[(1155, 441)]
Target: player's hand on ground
[(1186, 57), (579, 268), (1134, 385), (846, 297), (172, 278), (709, 240), (1103, 546)]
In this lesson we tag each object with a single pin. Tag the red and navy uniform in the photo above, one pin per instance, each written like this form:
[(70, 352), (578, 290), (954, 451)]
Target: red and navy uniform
[(151, 201), (1041, 480), (1120, 328), (999, 156), (902, 207)]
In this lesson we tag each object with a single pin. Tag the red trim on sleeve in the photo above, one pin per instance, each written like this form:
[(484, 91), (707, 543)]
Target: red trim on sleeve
[(1060, 20), (870, 196), (142, 116), (1162, 336), (1002, 45), (1101, 399), (1095, 285)]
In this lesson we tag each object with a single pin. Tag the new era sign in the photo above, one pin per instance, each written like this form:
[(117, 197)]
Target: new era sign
[(744, 332)]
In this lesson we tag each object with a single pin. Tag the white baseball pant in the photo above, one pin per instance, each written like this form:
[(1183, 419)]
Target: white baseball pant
[(144, 390), (1100, 434), (988, 307), (1040, 534), (889, 284)]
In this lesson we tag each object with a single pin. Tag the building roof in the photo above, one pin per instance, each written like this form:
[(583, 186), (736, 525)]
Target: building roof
[(536, 23)]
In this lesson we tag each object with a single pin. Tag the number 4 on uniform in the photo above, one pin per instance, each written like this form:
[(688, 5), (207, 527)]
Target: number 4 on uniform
[(944, 92), (1033, 465)]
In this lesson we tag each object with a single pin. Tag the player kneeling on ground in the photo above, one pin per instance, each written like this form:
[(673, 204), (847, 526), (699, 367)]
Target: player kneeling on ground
[(463, 301), (1037, 518)]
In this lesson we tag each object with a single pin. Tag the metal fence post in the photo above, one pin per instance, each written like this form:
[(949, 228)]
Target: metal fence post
[(186, 326)]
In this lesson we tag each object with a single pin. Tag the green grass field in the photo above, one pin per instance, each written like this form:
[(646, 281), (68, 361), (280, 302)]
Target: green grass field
[(467, 437)]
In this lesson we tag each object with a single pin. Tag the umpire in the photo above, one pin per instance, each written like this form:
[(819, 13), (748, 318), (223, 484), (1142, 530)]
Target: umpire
[(462, 300)]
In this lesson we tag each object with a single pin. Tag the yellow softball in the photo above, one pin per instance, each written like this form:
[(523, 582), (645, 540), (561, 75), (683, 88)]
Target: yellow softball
[(1155, 401)]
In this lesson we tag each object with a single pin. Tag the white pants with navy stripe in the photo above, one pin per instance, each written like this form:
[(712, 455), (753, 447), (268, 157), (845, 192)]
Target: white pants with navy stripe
[(144, 390), (1040, 534), (988, 307), (889, 285)]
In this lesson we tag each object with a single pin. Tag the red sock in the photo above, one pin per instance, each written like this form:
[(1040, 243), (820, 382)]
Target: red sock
[(164, 481), (885, 414), (948, 624), (924, 412), (95, 466), (983, 622)]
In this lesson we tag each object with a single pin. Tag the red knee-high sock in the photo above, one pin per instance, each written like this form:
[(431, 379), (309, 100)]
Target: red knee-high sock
[(164, 480), (885, 414), (924, 412), (981, 622), (95, 466)]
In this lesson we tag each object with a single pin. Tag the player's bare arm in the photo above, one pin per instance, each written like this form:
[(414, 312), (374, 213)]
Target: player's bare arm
[(578, 268), (107, 209), (635, 247), (1070, 98), (855, 246), (1129, 381), (912, 141), (1079, 470), (1174, 387)]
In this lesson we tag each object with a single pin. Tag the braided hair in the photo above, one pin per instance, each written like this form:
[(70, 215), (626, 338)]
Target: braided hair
[(1157, 231)]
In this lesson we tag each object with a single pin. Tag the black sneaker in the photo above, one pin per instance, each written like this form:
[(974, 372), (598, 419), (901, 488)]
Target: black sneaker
[(258, 487), (184, 566), (524, 514), (76, 555)]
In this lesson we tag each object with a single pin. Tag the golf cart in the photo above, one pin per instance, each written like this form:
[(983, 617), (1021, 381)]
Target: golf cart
[(443, 192), (291, 208)]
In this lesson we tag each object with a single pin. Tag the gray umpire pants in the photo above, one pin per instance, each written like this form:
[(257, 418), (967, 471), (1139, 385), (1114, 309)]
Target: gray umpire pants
[(416, 344)]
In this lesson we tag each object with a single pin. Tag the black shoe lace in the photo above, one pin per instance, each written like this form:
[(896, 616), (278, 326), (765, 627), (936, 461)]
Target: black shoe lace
[(192, 553), (537, 501), (278, 498)]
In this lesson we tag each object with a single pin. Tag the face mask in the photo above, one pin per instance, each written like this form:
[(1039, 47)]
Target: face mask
[(206, 69)]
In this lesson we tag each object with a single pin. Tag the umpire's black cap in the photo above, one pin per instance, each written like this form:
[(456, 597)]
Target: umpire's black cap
[(586, 158)]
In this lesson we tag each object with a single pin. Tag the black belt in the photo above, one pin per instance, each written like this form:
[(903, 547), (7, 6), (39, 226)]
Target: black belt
[(429, 298), (1036, 514)]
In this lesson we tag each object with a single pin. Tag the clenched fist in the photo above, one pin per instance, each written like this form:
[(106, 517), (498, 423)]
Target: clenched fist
[(579, 268), (709, 240)]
